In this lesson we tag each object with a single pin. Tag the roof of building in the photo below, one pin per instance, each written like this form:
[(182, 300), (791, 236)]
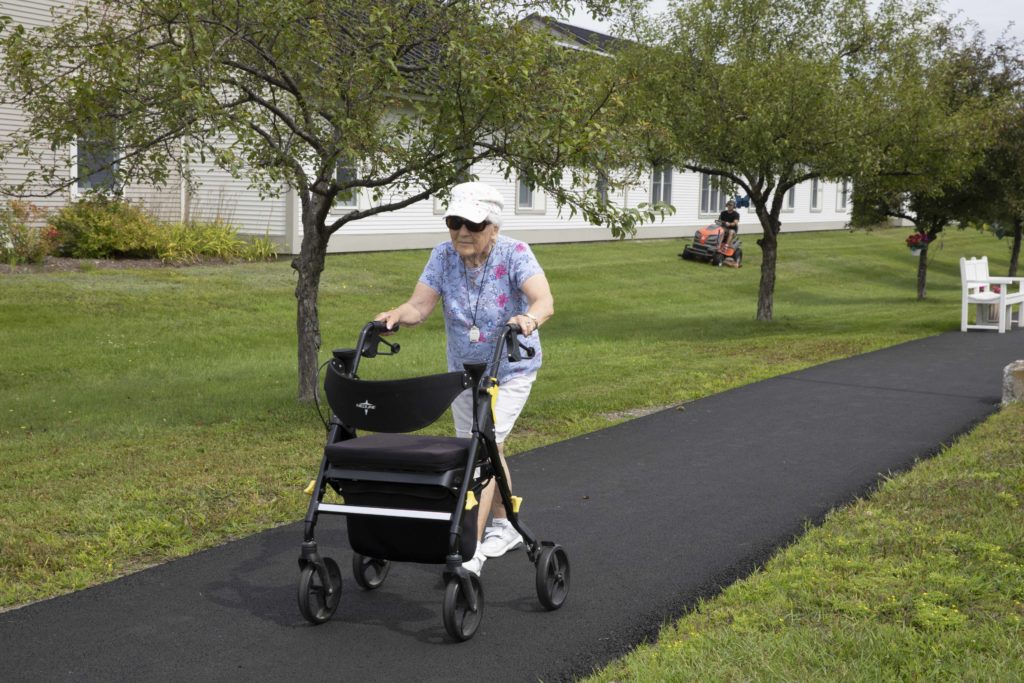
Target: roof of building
[(583, 37)]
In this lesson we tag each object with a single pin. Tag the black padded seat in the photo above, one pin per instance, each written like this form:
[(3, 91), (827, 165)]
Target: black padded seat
[(409, 452)]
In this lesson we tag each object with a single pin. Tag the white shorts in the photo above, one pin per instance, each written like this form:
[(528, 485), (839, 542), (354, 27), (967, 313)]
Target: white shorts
[(512, 395)]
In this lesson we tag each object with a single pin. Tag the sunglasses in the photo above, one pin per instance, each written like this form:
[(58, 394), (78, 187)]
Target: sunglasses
[(456, 223)]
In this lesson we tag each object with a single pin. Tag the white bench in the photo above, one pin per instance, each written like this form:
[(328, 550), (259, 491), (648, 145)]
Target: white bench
[(976, 288)]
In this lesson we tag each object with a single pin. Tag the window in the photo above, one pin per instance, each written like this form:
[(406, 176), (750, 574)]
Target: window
[(815, 195), (524, 197), (528, 200), (463, 176), (347, 199), (790, 202), (712, 199), (602, 189), (843, 196), (96, 162), (661, 184)]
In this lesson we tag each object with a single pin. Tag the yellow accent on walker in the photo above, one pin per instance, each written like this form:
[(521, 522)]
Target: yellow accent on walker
[(493, 391), (516, 502), (309, 489), (471, 501)]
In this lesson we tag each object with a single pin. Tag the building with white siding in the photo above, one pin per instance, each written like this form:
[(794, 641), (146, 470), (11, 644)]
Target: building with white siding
[(530, 216)]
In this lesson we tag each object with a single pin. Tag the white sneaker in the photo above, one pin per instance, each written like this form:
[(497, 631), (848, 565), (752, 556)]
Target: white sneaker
[(500, 538), (475, 565)]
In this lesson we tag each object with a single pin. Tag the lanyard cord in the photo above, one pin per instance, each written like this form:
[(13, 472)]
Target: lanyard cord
[(480, 291)]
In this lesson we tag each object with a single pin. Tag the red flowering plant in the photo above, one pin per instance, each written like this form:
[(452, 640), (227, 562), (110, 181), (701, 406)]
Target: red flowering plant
[(917, 240), (21, 239)]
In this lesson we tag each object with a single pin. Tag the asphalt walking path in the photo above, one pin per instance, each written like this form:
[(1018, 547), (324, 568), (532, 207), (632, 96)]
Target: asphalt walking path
[(654, 514)]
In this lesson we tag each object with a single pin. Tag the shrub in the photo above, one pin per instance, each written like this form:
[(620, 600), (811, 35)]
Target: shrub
[(260, 249), (98, 226), (22, 242), (189, 242)]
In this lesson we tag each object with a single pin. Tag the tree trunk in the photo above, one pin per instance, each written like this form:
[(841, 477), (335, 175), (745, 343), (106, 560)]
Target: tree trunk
[(769, 241), (766, 290), (931, 234), (1018, 227), (309, 264), (922, 272)]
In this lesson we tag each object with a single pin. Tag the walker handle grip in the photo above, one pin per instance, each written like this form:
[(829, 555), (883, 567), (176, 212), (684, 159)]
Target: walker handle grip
[(370, 340)]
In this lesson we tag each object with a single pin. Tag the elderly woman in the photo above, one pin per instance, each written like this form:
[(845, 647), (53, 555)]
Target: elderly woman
[(485, 280)]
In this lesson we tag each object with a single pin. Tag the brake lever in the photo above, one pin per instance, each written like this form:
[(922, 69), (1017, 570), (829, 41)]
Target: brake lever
[(514, 355), (392, 348)]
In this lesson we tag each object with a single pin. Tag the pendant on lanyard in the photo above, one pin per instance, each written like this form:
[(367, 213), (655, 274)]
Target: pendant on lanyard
[(474, 331)]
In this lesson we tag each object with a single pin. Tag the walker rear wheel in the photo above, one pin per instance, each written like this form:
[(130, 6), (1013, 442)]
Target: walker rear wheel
[(318, 602), (552, 577), (459, 620), (369, 571)]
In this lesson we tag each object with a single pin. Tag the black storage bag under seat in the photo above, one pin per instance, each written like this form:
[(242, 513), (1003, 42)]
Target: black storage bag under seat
[(406, 540), (397, 538)]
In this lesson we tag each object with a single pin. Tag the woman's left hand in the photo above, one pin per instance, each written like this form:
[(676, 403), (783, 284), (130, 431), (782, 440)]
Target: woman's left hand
[(527, 324), (540, 306)]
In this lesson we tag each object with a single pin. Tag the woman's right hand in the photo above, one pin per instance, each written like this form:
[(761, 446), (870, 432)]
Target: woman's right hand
[(412, 312), (389, 318)]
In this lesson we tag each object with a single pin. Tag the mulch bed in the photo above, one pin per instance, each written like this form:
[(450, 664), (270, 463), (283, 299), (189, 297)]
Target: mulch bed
[(58, 264)]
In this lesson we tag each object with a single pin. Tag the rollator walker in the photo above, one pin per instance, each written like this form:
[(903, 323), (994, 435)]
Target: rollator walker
[(413, 498)]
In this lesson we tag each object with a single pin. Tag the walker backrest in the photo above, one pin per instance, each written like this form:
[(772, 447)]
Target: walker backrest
[(393, 406), (973, 272)]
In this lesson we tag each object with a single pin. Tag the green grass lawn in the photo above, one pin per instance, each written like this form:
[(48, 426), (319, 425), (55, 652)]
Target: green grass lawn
[(146, 414)]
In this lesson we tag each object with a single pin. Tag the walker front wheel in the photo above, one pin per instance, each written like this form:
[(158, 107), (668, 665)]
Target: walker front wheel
[(552, 577), (318, 601), (369, 571), (460, 621)]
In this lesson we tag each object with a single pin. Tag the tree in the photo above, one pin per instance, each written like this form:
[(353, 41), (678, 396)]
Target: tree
[(397, 98), (1000, 177), (930, 212), (763, 95), (955, 186)]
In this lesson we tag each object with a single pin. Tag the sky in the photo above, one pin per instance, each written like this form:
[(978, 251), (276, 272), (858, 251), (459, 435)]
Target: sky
[(991, 15)]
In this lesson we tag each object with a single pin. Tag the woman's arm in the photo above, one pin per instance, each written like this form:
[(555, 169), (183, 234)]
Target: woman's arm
[(540, 304), (414, 311)]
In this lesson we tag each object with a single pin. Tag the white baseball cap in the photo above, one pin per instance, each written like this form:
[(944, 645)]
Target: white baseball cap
[(475, 202)]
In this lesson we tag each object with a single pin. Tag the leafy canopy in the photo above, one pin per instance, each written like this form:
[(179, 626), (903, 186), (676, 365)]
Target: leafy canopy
[(408, 94)]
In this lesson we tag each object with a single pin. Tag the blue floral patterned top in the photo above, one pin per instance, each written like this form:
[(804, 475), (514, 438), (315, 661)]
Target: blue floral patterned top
[(484, 297)]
